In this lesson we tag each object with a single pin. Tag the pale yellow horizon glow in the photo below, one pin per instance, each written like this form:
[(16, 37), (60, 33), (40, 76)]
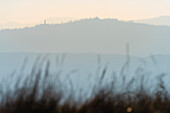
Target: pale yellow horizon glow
[(32, 11)]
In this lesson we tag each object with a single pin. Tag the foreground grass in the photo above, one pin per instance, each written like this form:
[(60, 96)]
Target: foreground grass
[(37, 94)]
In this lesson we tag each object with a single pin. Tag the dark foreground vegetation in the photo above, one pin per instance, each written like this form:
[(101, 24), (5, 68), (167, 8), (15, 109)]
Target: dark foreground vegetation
[(36, 93)]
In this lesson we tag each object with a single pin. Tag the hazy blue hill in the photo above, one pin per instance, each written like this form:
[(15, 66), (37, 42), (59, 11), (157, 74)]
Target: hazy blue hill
[(80, 68), (88, 35)]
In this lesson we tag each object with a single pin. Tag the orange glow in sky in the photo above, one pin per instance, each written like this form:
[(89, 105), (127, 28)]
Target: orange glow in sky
[(31, 11)]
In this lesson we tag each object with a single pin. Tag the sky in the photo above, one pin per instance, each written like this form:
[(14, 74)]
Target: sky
[(31, 11)]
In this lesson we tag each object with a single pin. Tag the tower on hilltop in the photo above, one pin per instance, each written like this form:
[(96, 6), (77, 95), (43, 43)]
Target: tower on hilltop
[(45, 22)]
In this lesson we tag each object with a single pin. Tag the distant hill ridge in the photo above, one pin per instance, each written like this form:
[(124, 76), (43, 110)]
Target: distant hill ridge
[(162, 20), (88, 35)]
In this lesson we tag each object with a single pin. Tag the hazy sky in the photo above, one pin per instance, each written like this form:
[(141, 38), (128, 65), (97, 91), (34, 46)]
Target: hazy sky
[(30, 11)]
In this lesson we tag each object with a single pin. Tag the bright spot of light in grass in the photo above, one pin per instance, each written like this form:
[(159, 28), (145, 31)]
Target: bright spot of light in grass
[(129, 109)]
